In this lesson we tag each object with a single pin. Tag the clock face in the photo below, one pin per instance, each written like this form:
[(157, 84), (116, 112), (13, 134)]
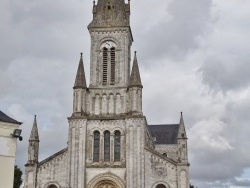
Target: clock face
[(109, 44)]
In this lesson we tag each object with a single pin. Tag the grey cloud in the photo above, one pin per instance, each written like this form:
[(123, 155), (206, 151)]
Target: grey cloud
[(241, 182), (176, 36), (41, 43), (226, 49), (227, 74)]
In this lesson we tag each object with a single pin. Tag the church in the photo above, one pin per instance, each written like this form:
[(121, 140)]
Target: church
[(110, 143)]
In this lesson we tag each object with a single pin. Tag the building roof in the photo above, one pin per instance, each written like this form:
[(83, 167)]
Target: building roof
[(5, 118), (52, 156), (164, 134)]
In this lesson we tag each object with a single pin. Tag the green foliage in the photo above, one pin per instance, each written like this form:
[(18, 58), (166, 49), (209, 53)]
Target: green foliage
[(192, 186), (17, 177)]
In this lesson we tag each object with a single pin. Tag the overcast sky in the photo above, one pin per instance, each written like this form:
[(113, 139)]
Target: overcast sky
[(193, 57)]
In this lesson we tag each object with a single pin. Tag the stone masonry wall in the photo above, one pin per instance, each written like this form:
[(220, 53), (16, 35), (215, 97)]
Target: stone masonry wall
[(53, 171), (159, 171), (171, 150)]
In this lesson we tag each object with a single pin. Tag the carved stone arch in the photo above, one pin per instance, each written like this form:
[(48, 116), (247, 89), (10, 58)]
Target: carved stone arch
[(117, 129), (161, 183), (96, 128), (100, 42), (108, 178), (93, 130), (52, 184)]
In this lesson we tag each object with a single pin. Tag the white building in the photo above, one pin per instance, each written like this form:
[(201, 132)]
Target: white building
[(8, 144), (110, 144)]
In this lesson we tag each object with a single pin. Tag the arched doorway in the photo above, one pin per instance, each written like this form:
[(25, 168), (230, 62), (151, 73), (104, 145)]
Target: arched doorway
[(106, 180), (160, 186), (52, 186), (106, 184)]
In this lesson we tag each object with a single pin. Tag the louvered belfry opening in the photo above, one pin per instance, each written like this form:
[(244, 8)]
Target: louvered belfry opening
[(105, 66), (112, 68), (108, 66)]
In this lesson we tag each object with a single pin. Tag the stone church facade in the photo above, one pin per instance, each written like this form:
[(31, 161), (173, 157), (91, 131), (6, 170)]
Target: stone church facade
[(110, 144)]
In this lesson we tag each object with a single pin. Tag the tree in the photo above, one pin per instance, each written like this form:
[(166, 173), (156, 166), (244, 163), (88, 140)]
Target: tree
[(17, 177), (192, 186)]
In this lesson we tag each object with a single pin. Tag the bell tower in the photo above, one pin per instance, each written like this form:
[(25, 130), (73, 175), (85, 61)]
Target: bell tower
[(111, 41), (110, 56)]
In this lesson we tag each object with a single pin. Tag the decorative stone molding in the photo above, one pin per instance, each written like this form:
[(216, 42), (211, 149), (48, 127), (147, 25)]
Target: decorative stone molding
[(106, 177), (100, 42), (159, 168), (121, 164)]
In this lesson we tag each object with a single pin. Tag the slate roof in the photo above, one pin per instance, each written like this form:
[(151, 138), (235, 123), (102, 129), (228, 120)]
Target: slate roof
[(5, 118), (164, 134)]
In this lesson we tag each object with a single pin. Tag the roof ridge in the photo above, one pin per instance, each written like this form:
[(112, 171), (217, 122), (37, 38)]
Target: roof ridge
[(52, 156)]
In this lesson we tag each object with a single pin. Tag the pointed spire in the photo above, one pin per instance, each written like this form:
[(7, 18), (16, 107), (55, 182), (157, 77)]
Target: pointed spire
[(80, 81), (182, 132), (135, 78), (34, 132), (181, 120)]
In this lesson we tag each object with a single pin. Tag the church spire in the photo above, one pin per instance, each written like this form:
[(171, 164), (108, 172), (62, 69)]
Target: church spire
[(135, 78), (34, 136), (80, 81), (110, 13), (33, 148)]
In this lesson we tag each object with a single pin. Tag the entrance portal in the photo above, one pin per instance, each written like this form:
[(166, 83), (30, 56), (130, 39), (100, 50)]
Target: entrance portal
[(106, 184)]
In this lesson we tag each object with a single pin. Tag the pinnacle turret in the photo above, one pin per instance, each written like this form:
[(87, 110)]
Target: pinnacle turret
[(80, 81), (181, 120), (135, 78), (34, 136), (182, 131)]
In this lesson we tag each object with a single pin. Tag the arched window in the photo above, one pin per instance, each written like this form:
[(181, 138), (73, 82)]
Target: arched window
[(106, 146), (96, 150), (160, 186), (105, 66), (117, 146), (112, 66)]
